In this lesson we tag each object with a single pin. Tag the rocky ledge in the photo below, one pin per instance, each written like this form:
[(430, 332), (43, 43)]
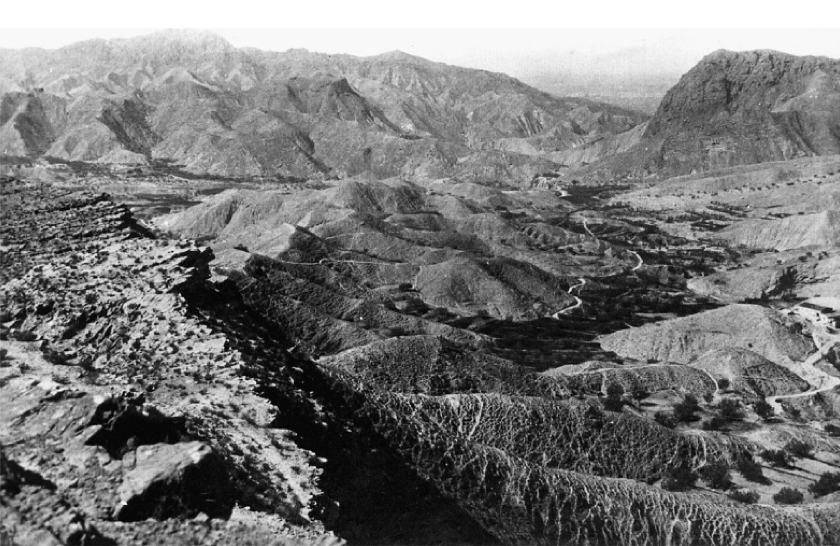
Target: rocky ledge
[(125, 416)]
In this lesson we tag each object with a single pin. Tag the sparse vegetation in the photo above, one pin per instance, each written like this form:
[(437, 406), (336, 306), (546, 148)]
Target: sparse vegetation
[(686, 410), (799, 449), (678, 478), (751, 470), (614, 401), (639, 392), (730, 409), (747, 496), (788, 495), (665, 419), (717, 475), (776, 457), (827, 484), (714, 423), (764, 410)]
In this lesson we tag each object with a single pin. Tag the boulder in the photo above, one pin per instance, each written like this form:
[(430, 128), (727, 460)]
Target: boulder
[(175, 480)]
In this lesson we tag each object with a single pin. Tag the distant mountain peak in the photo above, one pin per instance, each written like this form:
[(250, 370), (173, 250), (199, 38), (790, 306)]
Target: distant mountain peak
[(191, 35), (217, 109), (401, 56)]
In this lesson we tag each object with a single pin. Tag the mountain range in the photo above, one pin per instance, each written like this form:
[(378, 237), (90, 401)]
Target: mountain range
[(192, 99)]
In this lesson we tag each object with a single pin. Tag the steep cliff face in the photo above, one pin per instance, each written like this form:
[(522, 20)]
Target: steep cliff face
[(751, 107), (737, 108), (29, 122)]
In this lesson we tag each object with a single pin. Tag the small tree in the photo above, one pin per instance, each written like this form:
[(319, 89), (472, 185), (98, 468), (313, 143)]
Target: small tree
[(613, 402), (746, 496), (827, 484), (685, 410), (678, 478), (639, 392), (615, 390), (665, 419), (764, 410), (715, 423), (751, 470), (795, 413), (776, 457), (723, 383), (799, 449), (717, 476), (730, 409), (788, 495)]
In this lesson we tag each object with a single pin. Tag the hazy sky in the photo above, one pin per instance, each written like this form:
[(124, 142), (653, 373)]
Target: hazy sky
[(642, 37)]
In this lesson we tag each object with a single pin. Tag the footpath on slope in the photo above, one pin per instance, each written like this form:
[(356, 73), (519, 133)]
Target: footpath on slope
[(819, 380), (582, 283)]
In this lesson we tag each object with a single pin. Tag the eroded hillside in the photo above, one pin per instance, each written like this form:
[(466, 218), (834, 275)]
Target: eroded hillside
[(327, 390)]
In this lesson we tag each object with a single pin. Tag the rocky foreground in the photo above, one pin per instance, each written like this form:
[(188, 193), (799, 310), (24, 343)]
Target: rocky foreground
[(148, 399)]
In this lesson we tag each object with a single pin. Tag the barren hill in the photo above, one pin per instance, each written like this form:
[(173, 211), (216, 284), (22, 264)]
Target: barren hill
[(750, 372), (764, 331), (821, 229)]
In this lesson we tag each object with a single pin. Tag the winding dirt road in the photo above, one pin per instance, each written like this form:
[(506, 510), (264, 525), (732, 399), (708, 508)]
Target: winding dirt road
[(578, 301), (819, 380), (641, 262)]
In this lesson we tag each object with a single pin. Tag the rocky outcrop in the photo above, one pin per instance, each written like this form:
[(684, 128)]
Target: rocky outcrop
[(99, 348), (175, 480)]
